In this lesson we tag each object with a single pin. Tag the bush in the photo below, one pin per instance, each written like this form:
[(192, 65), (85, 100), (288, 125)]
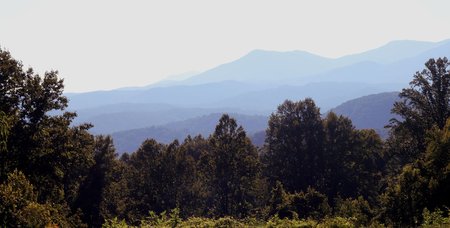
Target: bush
[(276, 222), (115, 223), (436, 218), (358, 209), (337, 222)]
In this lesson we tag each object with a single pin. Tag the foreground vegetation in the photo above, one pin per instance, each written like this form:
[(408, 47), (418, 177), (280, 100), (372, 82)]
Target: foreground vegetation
[(435, 219), (312, 171)]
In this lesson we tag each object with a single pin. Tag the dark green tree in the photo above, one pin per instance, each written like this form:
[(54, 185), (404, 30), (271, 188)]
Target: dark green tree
[(303, 150), (178, 181), (308, 204), (422, 184), (437, 165), (19, 206), (94, 199), (340, 146), (279, 202), (418, 147), (234, 170), (4, 134), (143, 181), (294, 146), (405, 198), (186, 185), (197, 196), (353, 160), (368, 162), (53, 155), (12, 78), (425, 104)]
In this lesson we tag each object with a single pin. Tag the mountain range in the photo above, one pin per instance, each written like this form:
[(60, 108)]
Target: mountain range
[(368, 112), (256, 84), (130, 140)]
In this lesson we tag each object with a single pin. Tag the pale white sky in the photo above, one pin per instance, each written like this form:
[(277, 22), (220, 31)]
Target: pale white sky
[(106, 44)]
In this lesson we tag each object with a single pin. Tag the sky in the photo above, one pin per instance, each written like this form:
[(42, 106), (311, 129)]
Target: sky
[(107, 44)]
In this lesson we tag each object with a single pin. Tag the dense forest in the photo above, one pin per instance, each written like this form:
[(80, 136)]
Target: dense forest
[(312, 171)]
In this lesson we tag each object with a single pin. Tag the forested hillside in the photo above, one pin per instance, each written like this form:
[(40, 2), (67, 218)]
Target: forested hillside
[(126, 141), (313, 170), (370, 112)]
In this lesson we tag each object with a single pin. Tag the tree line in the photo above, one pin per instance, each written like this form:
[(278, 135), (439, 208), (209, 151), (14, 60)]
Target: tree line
[(311, 167)]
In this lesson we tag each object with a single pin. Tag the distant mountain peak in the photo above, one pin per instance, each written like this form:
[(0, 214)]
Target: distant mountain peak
[(296, 53), (406, 42), (393, 51)]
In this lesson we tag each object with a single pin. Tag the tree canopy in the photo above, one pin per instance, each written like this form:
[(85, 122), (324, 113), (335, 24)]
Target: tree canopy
[(314, 170)]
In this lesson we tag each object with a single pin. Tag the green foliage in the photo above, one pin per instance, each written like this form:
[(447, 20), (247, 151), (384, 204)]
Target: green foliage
[(405, 200), (436, 218), (310, 204), (18, 204), (198, 222), (294, 150), (418, 147), (143, 179), (4, 130), (276, 222), (98, 194), (273, 222), (234, 169), (53, 155), (422, 184), (337, 222), (427, 101), (313, 171), (4, 134), (352, 159), (162, 220), (367, 165), (279, 202), (196, 194), (164, 177), (425, 104), (115, 223), (358, 209), (303, 150), (437, 166)]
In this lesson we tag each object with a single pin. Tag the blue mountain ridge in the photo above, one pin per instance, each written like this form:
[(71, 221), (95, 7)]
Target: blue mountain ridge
[(256, 84)]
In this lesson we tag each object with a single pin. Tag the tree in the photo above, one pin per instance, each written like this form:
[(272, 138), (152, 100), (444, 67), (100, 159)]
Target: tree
[(340, 144), (368, 163), (425, 104), (308, 204), (353, 160), (294, 145), (4, 134), (197, 194), (181, 186), (422, 184), (143, 179), (19, 207), (303, 150), (234, 169), (437, 165), (4, 130), (279, 202), (95, 198), (418, 147), (12, 77), (54, 155)]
